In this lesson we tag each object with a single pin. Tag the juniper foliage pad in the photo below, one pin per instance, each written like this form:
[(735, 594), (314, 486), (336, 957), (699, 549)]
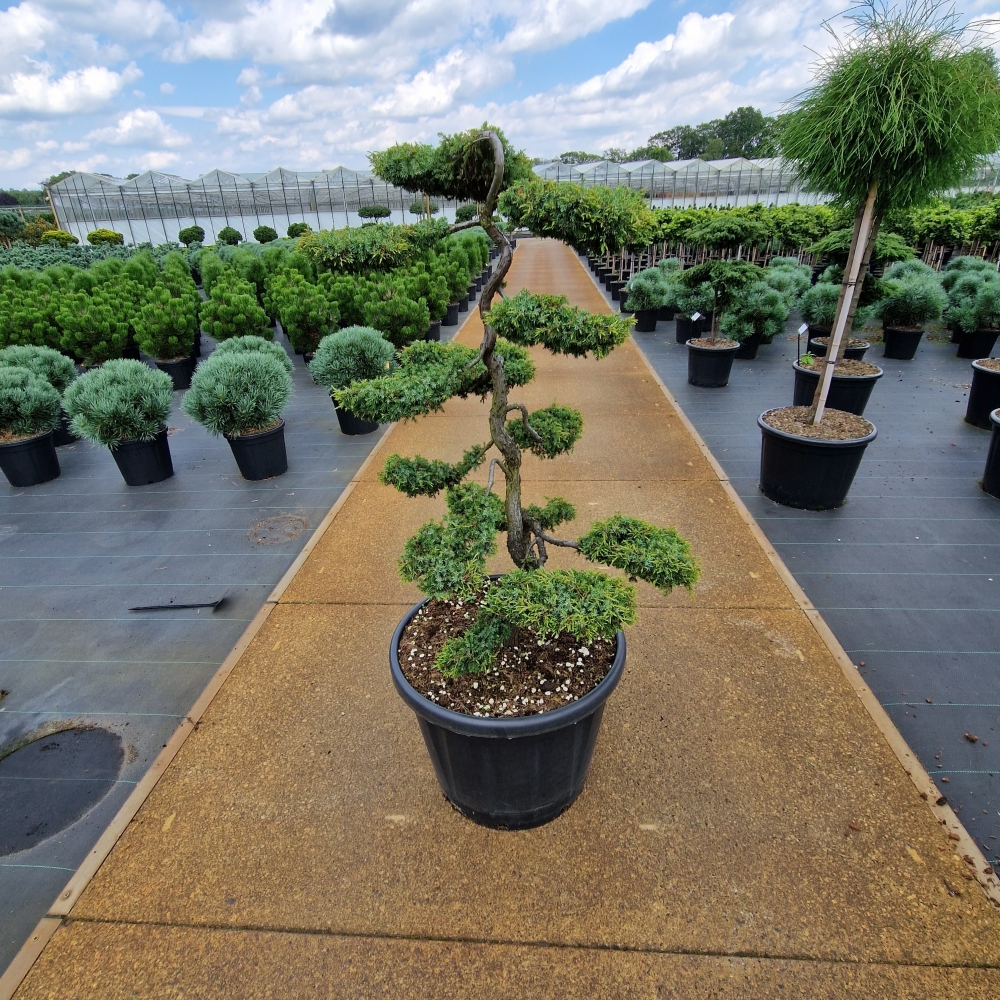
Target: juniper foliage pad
[(427, 477), (559, 428)]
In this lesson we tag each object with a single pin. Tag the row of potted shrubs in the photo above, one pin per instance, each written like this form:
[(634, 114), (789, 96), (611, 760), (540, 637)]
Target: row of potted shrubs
[(239, 392)]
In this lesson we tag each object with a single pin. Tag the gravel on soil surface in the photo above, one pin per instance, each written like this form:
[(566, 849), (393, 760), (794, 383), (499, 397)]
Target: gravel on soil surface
[(992, 364), (716, 345), (849, 367), (837, 425), (530, 677)]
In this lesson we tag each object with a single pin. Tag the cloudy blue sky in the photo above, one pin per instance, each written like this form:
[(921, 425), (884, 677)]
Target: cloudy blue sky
[(120, 86)]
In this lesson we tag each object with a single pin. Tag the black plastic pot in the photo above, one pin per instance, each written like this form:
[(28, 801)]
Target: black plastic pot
[(472, 291), (984, 396), (977, 345), (510, 773), (479, 283), (710, 366), (818, 331), (849, 393), (684, 329), (62, 434), (434, 330), (131, 352), (704, 324), (350, 424), (665, 314), (991, 477), (260, 456), (615, 288), (645, 321), (196, 347), (748, 348), (144, 462), (30, 462), (179, 371), (808, 473), (451, 317), (900, 345), (463, 306), (850, 354)]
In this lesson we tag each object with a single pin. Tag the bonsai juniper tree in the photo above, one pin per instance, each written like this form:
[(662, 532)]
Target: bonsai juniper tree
[(447, 558), (728, 279), (905, 106)]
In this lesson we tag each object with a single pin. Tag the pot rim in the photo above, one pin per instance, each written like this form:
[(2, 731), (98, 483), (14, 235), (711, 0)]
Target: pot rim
[(857, 347), (989, 371), (174, 361), (904, 329), (819, 442), (995, 417), (711, 350), (250, 437), (810, 371), (135, 441), (501, 728), (21, 442)]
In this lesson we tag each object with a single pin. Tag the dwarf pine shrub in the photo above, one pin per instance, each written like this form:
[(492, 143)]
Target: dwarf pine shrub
[(232, 310), (350, 355), (239, 345), (29, 405), (123, 400), (238, 392), (57, 369), (166, 325)]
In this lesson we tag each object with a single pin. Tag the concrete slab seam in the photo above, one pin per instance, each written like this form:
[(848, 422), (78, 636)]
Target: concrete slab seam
[(965, 846)]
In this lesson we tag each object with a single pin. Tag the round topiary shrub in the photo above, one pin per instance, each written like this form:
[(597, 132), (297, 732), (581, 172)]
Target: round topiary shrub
[(240, 345), (374, 212), (419, 208), (466, 213), (818, 304), (191, 234), (350, 355), (236, 393), (229, 235), (55, 368), (265, 234), (105, 237), (297, 229), (646, 290), (59, 236), (29, 406), (123, 400)]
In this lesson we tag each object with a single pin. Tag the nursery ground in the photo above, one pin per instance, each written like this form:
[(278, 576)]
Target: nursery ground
[(77, 552), (746, 829), (907, 572)]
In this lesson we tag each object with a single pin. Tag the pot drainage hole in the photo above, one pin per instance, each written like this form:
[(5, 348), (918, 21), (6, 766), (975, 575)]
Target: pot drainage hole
[(50, 783)]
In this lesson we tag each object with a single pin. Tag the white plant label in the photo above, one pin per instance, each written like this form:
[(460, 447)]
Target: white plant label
[(803, 328), (696, 316)]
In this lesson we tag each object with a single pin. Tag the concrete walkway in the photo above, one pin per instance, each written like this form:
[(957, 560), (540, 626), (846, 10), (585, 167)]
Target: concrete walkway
[(747, 829)]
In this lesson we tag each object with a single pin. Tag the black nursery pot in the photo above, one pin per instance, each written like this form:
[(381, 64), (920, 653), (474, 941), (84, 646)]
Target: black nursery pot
[(850, 354), (976, 345), (144, 462), (615, 287), (196, 347), (513, 773), (30, 462), (710, 366), (748, 348), (260, 456), (991, 477), (665, 314), (472, 291), (901, 345), (451, 317), (434, 330), (984, 396), (179, 370), (350, 424), (62, 434), (684, 329), (808, 473), (645, 320), (849, 393), (463, 307)]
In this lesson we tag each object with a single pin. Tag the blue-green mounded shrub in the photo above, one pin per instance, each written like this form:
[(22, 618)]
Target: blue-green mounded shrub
[(28, 404), (240, 345), (54, 367), (352, 354)]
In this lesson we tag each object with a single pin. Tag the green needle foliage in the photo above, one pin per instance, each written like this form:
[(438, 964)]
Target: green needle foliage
[(700, 299), (166, 325), (727, 278), (555, 512), (374, 212), (427, 477), (99, 237), (761, 310), (975, 303), (96, 326), (819, 304), (232, 309), (836, 246), (123, 400), (530, 319), (429, 374), (265, 234), (55, 368), (657, 555), (558, 427), (29, 405), (354, 354), (297, 229), (727, 232), (212, 267), (307, 313), (238, 392), (400, 318), (911, 301), (229, 236), (649, 289), (240, 345), (28, 314), (447, 558), (903, 100), (584, 604), (191, 234)]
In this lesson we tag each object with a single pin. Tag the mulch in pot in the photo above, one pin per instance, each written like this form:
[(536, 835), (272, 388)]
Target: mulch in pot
[(837, 425), (530, 677), (719, 344), (849, 367), (993, 364)]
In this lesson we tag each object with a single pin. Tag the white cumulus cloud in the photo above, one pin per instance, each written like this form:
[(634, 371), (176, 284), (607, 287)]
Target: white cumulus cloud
[(140, 128), (42, 93)]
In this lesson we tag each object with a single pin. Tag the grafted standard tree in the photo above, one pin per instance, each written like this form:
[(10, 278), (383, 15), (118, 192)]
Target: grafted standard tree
[(447, 558)]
